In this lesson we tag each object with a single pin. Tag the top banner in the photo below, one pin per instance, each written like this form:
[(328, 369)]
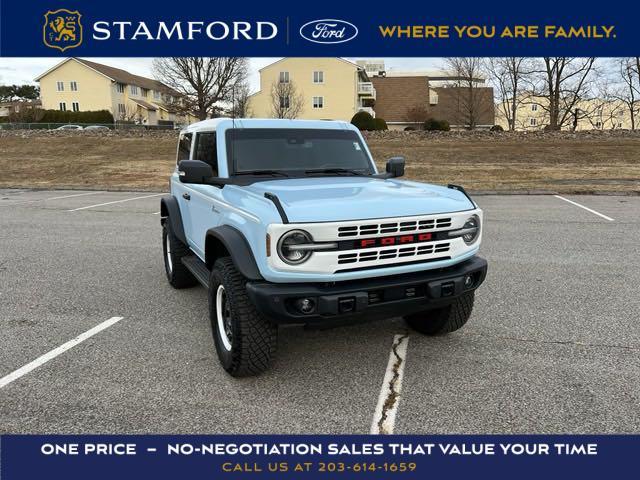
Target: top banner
[(405, 29)]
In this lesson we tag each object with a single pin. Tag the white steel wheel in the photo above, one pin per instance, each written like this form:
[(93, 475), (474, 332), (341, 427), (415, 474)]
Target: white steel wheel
[(173, 252), (223, 314), (168, 254)]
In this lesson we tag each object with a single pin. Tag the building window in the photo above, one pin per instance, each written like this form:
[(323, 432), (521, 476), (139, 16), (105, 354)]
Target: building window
[(75, 106), (120, 87), (433, 97), (284, 77), (121, 109), (73, 86), (63, 107), (318, 77), (144, 92), (534, 107), (533, 122), (156, 95), (284, 102), (598, 124), (133, 89), (619, 124), (60, 86), (318, 102)]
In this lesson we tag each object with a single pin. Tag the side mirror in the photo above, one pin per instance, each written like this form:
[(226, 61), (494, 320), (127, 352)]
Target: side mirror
[(194, 171), (395, 167)]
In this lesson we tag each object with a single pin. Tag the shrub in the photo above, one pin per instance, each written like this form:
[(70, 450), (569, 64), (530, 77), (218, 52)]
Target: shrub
[(417, 114), (497, 128), (363, 121), (433, 124), (380, 124), (57, 116)]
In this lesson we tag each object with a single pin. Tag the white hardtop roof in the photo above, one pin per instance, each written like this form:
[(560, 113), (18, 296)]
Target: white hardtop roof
[(214, 123)]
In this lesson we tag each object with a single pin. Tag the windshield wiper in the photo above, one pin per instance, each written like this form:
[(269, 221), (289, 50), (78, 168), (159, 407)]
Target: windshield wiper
[(275, 173), (336, 170)]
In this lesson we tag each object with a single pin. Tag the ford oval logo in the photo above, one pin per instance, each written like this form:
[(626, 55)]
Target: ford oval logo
[(328, 30)]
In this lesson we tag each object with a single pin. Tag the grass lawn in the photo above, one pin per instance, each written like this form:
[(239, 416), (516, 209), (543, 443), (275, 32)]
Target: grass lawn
[(563, 164)]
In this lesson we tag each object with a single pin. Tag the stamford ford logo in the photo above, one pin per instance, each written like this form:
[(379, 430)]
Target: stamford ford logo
[(328, 31)]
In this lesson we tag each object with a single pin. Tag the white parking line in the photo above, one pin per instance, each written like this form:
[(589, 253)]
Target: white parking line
[(384, 418), (22, 202), (74, 195), (585, 208), (115, 201), (4, 381)]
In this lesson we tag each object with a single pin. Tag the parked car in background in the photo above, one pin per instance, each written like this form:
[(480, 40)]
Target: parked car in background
[(69, 127), (102, 128)]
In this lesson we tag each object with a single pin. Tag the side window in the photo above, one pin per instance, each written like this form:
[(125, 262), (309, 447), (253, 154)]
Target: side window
[(205, 150), (184, 146)]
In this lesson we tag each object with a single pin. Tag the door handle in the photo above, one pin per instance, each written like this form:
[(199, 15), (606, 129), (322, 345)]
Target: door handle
[(186, 196)]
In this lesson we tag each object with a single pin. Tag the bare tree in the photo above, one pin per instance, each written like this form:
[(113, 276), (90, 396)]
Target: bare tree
[(621, 90), (201, 82), (286, 102), (510, 76), (467, 72), (627, 91), (563, 82), (240, 107), (130, 113)]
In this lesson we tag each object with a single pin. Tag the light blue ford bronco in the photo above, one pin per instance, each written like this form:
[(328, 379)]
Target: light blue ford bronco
[(289, 222)]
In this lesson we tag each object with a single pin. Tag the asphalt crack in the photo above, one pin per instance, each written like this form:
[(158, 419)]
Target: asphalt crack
[(573, 343), (392, 386)]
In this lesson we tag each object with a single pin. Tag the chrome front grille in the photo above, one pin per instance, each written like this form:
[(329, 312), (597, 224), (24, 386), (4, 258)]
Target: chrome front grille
[(389, 253), (393, 227)]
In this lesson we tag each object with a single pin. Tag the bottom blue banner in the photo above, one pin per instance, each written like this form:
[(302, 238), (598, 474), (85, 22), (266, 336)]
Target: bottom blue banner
[(313, 456)]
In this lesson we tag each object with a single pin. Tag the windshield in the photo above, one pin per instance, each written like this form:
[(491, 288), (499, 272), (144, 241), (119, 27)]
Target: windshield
[(296, 152)]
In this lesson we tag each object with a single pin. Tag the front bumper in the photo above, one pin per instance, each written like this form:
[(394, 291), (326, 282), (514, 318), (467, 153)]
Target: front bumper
[(368, 299)]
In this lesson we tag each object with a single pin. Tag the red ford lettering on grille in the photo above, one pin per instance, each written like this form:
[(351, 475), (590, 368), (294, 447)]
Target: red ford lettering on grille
[(388, 241)]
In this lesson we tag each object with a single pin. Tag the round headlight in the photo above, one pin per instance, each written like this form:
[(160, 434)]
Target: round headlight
[(287, 247), (473, 226)]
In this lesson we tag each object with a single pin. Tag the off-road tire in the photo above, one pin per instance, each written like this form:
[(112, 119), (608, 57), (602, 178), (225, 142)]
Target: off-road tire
[(254, 338), (443, 320), (177, 274)]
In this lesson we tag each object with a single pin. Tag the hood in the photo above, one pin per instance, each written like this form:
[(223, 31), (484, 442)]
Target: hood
[(331, 199)]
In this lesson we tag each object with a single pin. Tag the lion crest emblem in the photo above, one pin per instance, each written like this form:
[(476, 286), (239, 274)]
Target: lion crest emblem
[(62, 29)]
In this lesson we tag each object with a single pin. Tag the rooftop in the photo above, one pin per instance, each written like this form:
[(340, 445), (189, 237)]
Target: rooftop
[(117, 75)]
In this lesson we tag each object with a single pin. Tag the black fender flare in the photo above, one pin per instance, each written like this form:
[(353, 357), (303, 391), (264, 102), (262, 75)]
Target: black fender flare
[(238, 247), (170, 211)]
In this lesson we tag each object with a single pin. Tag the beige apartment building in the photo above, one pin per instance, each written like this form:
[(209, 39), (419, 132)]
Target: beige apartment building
[(329, 89), (81, 85), (592, 114)]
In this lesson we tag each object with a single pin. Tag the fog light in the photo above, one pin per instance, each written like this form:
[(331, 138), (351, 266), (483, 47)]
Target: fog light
[(468, 281), (306, 305)]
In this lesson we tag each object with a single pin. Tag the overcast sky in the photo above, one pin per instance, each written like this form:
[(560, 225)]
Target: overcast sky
[(24, 70)]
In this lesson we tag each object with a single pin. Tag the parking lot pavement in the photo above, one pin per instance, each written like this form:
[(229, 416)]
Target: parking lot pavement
[(553, 344)]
